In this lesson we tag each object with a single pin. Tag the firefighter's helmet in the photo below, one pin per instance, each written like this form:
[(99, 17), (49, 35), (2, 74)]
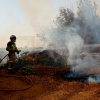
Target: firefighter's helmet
[(13, 37)]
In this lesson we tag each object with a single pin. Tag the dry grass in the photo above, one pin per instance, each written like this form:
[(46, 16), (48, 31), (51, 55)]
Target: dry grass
[(49, 87)]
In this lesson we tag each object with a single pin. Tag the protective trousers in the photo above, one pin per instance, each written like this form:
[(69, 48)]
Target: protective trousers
[(12, 60)]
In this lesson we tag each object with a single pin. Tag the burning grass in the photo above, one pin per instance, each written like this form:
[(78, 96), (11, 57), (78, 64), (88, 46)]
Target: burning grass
[(49, 58), (74, 76), (26, 62), (50, 84)]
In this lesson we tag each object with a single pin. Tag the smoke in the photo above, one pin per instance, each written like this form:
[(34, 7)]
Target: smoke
[(72, 33), (69, 32), (87, 64), (31, 16), (63, 39), (90, 34), (90, 21), (37, 13), (97, 2), (24, 18), (95, 78)]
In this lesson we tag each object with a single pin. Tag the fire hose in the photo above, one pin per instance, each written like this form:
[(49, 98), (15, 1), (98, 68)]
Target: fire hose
[(7, 55), (14, 90), (3, 58)]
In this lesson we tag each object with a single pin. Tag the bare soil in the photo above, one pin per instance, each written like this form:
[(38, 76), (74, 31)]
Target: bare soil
[(46, 86)]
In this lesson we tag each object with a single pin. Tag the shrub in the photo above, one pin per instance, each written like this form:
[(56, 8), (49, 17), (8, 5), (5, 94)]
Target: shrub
[(27, 70), (49, 58)]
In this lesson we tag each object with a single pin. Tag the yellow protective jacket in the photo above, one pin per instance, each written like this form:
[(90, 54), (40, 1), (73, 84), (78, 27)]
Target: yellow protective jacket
[(11, 48)]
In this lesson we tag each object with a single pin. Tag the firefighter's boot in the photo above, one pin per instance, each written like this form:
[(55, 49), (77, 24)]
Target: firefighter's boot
[(11, 68)]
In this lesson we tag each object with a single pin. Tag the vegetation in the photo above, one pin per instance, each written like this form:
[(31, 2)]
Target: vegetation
[(50, 61), (27, 70), (22, 61), (86, 22), (49, 58), (24, 66), (66, 17)]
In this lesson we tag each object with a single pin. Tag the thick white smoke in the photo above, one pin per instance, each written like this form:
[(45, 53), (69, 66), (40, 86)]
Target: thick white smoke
[(91, 32), (65, 38), (72, 37)]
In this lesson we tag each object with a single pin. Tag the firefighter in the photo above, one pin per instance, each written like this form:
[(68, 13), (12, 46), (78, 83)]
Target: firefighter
[(12, 49)]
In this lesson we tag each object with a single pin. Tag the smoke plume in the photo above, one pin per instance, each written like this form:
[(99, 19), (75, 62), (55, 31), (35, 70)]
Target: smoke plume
[(72, 33), (24, 18)]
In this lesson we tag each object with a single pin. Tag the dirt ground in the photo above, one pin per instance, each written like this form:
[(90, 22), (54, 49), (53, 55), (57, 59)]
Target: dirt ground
[(46, 86)]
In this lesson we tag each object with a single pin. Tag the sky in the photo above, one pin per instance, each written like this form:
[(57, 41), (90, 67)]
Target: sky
[(27, 18)]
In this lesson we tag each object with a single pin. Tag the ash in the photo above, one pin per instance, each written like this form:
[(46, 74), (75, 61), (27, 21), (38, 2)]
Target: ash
[(72, 75)]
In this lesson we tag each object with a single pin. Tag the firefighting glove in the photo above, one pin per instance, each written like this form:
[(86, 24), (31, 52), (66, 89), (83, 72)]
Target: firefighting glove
[(18, 51)]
